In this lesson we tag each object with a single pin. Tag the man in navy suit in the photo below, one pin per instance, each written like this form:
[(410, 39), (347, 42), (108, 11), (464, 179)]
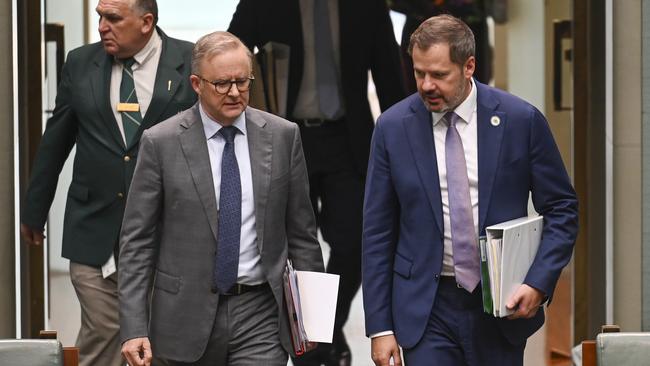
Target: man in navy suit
[(445, 164)]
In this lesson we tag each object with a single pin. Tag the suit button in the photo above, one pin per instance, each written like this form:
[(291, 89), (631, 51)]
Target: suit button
[(214, 290), (437, 277), (120, 195), (127, 158)]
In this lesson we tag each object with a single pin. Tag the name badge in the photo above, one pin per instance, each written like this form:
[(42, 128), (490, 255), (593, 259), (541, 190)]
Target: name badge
[(128, 107)]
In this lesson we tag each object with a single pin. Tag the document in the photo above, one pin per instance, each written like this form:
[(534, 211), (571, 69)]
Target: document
[(318, 296), (311, 304), (508, 251), (485, 276)]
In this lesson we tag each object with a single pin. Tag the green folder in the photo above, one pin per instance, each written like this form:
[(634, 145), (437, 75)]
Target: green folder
[(485, 277)]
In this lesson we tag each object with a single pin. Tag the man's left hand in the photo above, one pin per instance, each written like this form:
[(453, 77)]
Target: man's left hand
[(525, 301)]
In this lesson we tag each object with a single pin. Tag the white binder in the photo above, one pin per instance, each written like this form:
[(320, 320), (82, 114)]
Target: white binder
[(511, 247)]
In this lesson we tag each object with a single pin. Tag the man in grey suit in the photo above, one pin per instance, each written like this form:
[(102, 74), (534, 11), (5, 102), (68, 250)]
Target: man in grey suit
[(219, 201)]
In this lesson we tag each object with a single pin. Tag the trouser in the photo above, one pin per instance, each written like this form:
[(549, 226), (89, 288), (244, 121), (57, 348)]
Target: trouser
[(245, 333), (459, 333), (99, 335)]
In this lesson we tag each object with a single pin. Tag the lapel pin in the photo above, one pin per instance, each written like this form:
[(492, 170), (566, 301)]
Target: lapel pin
[(169, 85), (495, 121)]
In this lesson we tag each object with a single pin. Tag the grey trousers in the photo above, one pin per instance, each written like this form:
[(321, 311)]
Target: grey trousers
[(245, 333), (99, 335)]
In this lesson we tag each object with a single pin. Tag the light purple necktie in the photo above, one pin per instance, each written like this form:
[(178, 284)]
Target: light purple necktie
[(463, 236)]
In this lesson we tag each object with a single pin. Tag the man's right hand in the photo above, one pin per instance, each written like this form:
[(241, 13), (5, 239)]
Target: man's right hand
[(31, 236), (383, 348), (137, 351)]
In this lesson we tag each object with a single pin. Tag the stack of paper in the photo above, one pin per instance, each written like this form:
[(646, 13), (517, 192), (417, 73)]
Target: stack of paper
[(311, 304), (292, 298), (507, 252)]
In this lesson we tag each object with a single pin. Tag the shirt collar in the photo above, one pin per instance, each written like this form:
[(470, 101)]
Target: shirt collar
[(149, 49), (464, 109), (212, 127)]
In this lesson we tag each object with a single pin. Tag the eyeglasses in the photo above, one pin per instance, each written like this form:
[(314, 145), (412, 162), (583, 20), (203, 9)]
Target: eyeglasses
[(224, 86)]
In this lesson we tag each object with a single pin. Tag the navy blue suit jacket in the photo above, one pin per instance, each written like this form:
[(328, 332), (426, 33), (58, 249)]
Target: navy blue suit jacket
[(403, 223)]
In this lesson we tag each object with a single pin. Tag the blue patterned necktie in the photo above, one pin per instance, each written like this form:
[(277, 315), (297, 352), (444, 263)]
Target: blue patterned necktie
[(229, 228), (130, 120), (329, 97), (463, 237)]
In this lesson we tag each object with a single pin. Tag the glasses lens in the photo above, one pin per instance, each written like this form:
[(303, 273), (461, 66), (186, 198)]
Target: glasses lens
[(222, 87), (243, 84)]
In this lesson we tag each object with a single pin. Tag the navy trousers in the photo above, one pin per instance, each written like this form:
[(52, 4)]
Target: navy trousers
[(460, 333)]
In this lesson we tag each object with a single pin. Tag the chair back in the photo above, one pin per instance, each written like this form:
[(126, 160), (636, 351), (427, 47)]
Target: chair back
[(33, 352), (619, 349)]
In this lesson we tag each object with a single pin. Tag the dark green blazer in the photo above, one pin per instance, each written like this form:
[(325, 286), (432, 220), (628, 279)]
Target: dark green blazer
[(103, 165)]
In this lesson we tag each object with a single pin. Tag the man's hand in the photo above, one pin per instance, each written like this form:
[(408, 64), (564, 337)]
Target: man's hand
[(525, 301), (383, 348), (31, 236), (137, 351)]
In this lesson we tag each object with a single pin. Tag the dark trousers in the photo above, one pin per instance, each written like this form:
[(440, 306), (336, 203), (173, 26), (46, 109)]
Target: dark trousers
[(336, 190), (459, 333)]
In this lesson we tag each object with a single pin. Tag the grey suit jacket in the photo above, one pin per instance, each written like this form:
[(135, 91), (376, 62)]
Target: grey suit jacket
[(169, 232)]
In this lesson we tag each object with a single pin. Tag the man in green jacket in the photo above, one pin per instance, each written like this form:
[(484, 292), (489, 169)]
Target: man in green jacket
[(109, 93)]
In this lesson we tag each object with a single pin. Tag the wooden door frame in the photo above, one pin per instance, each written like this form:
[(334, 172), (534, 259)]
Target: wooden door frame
[(590, 296), (29, 29)]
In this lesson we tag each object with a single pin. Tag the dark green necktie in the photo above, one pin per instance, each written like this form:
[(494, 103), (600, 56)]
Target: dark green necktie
[(130, 120)]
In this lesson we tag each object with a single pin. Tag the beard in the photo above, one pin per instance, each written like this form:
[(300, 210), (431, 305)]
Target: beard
[(447, 103)]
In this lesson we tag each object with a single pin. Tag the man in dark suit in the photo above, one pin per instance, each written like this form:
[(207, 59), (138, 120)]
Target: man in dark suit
[(219, 201), (110, 92), (445, 164), (333, 44)]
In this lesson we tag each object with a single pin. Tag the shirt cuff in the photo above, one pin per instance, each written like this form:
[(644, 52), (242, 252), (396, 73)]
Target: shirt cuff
[(384, 333)]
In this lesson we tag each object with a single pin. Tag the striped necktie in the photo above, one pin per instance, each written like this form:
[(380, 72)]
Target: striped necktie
[(131, 121)]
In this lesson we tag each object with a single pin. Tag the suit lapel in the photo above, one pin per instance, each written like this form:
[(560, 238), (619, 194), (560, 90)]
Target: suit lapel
[(168, 79), (489, 146), (195, 148), (101, 85), (419, 130), (260, 148)]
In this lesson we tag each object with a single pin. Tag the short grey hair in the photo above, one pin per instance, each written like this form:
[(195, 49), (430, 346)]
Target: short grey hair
[(445, 29), (213, 44), (147, 6)]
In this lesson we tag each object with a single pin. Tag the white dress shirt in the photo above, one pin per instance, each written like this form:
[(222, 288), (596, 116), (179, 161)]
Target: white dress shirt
[(249, 271), (144, 70), (144, 76)]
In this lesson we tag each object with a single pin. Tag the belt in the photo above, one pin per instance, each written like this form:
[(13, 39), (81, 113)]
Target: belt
[(450, 280), (238, 289), (316, 122)]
